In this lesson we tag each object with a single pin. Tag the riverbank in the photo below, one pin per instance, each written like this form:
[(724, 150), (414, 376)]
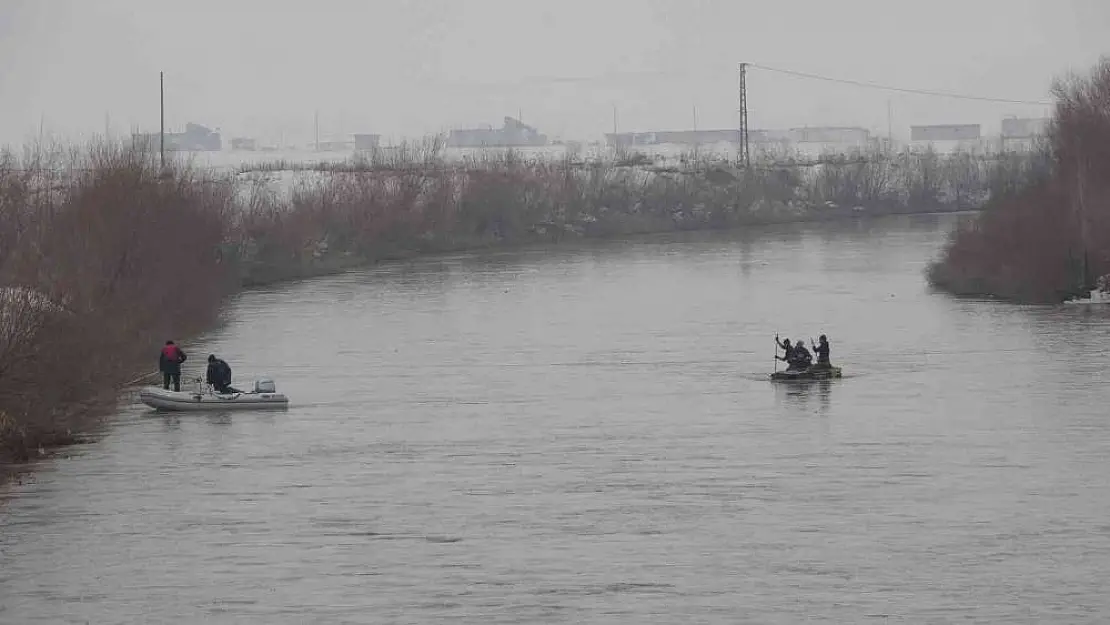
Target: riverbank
[(102, 256), (300, 220), (1049, 239), (105, 253)]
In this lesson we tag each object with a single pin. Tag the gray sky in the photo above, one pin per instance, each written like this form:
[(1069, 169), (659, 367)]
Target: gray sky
[(408, 68)]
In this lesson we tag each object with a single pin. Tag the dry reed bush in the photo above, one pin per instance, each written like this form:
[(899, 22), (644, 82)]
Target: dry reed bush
[(410, 198), (413, 198), (1016, 250), (917, 181), (1080, 141), (1032, 242), (104, 255), (121, 256)]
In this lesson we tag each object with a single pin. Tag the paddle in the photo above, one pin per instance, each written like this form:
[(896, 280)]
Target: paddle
[(776, 353), (145, 376)]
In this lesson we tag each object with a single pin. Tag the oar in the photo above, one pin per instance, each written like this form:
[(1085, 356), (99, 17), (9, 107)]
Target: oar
[(776, 353), (141, 378)]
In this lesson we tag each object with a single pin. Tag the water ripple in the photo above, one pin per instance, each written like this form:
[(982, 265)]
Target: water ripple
[(588, 436)]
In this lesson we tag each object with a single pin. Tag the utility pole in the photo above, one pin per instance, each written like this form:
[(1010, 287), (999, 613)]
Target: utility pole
[(744, 155), (162, 115), (614, 120), (316, 129), (695, 118), (889, 127)]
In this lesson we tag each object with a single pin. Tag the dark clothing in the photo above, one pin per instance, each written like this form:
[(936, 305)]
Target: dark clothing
[(169, 363), (786, 347), (788, 357), (219, 376), (797, 356), (822, 350), (801, 358), (170, 359), (175, 377)]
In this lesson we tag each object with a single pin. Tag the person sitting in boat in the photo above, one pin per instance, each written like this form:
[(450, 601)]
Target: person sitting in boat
[(822, 350), (219, 375), (802, 358), (795, 360)]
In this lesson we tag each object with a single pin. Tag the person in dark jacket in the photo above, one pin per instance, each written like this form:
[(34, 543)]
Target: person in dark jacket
[(169, 363), (802, 358), (786, 347), (822, 349), (797, 357), (219, 375)]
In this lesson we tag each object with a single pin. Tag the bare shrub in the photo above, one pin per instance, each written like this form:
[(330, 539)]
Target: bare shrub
[(1051, 237), (110, 256)]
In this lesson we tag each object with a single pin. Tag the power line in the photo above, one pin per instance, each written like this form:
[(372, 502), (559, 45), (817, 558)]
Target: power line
[(869, 85)]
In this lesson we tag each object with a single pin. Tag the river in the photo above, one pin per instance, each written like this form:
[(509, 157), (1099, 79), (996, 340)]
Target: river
[(586, 434)]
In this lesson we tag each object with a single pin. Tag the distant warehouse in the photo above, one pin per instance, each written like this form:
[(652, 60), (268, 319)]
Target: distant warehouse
[(196, 138), (514, 133)]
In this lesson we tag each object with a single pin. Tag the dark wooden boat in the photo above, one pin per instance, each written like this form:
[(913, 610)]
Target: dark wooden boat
[(806, 375)]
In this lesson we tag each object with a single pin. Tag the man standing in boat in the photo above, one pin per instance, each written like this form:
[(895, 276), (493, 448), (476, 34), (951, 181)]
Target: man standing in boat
[(169, 363), (822, 350), (219, 375)]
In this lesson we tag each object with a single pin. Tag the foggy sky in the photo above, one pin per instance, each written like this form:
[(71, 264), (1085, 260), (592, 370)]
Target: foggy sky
[(254, 67)]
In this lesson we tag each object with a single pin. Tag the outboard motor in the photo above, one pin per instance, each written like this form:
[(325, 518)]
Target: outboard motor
[(265, 385)]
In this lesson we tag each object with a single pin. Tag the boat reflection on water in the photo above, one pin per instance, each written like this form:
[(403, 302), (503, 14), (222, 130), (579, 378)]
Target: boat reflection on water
[(802, 395)]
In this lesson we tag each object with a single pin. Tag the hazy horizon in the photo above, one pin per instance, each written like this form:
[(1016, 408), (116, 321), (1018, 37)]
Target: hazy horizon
[(412, 68)]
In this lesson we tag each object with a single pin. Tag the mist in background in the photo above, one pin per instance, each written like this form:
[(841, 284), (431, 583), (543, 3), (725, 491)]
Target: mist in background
[(574, 69)]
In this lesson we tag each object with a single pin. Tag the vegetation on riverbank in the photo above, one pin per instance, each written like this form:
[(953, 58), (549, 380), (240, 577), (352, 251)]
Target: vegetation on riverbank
[(104, 254), (384, 206), (1049, 238)]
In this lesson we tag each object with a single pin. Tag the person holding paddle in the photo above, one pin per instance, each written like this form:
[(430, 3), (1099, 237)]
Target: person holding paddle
[(822, 351), (797, 357)]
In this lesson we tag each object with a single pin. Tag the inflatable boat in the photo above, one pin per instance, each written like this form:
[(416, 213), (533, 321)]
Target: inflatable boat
[(263, 396), (805, 375)]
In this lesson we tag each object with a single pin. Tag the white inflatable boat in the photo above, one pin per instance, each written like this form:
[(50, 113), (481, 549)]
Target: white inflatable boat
[(263, 396)]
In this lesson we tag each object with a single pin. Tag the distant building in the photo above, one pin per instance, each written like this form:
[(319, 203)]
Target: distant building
[(244, 143), (629, 139), (1022, 134), (514, 133), (1024, 128), (367, 142), (676, 137), (815, 141), (334, 145), (840, 135), (818, 139), (946, 132), (947, 137), (196, 138)]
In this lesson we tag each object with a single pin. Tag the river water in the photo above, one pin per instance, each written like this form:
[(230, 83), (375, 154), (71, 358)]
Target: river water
[(586, 434)]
